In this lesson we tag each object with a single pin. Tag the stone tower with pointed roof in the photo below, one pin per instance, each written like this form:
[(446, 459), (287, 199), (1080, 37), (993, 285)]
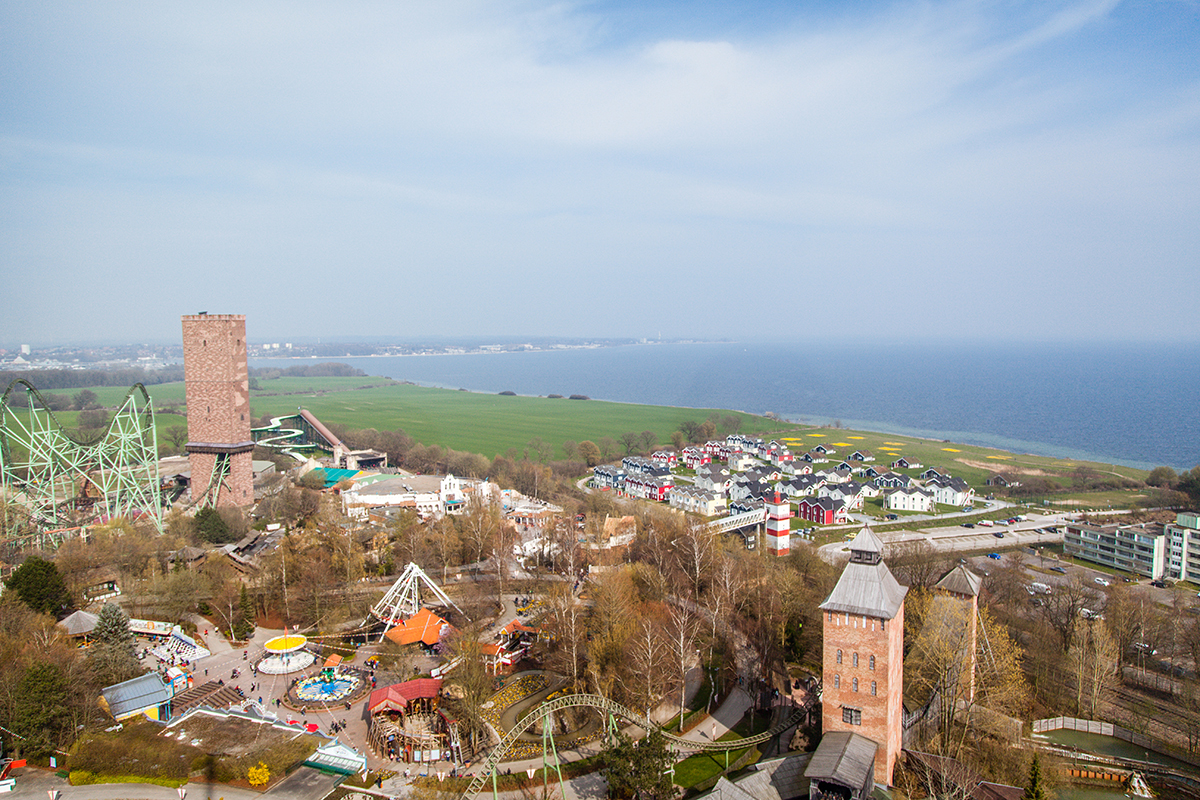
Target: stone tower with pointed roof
[(863, 670), (963, 586)]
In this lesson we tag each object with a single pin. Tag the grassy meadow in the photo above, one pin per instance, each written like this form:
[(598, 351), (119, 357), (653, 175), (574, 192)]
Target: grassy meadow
[(491, 424)]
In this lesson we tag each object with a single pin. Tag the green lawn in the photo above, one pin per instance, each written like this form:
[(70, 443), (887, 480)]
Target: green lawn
[(702, 766), (491, 424)]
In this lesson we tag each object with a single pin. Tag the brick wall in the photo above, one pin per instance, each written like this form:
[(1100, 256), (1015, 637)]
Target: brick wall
[(217, 385), (882, 713)]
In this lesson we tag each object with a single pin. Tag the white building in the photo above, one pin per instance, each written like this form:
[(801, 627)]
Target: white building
[(911, 499), (1183, 548), (428, 495)]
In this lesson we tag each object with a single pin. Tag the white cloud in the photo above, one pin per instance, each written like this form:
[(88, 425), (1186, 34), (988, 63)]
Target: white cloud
[(940, 141)]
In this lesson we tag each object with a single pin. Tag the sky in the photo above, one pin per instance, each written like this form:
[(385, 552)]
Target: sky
[(977, 169)]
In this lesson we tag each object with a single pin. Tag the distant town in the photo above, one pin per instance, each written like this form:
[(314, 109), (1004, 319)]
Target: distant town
[(154, 357)]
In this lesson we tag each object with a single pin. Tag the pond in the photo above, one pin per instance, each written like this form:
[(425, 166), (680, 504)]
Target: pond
[(1111, 746)]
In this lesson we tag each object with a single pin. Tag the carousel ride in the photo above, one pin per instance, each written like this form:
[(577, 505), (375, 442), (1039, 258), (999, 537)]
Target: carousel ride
[(286, 654), (328, 686)]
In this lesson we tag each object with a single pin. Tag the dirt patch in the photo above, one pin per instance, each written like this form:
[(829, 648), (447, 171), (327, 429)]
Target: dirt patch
[(232, 736), (1002, 466)]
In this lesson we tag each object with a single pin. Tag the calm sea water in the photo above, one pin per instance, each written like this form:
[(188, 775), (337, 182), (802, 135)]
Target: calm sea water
[(1138, 406)]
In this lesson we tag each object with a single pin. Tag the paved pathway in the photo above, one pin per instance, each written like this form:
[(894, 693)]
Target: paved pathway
[(37, 783)]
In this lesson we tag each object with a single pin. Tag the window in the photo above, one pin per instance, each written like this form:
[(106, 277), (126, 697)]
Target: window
[(872, 662), (837, 681), (856, 659), (852, 716), (856, 684), (872, 688), (839, 656)]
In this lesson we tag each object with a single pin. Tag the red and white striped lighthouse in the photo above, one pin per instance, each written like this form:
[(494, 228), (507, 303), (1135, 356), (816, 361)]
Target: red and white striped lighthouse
[(779, 524)]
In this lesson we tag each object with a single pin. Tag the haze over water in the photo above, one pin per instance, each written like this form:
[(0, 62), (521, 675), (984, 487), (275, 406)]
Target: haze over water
[(1121, 404)]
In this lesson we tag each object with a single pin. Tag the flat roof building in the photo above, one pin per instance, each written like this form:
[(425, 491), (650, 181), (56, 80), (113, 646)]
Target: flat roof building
[(1140, 549)]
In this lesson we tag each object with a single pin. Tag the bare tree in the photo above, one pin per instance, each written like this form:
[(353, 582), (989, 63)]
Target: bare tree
[(648, 650), (1062, 608), (1093, 658), (569, 617), (682, 625)]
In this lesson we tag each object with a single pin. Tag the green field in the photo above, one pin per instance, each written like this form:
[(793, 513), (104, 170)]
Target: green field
[(491, 424), (487, 423), (468, 421)]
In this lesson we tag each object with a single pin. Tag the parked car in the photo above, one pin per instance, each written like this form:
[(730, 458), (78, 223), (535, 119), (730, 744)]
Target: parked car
[(1059, 570), (892, 517), (994, 555), (1158, 583), (968, 525), (1100, 582), (968, 508), (986, 523)]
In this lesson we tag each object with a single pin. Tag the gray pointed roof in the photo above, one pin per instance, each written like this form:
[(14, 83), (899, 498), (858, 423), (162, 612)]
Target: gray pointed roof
[(79, 623), (867, 586), (866, 541), (961, 580)]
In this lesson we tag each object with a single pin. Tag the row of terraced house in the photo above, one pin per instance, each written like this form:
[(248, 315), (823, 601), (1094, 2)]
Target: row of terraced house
[(826, 496)]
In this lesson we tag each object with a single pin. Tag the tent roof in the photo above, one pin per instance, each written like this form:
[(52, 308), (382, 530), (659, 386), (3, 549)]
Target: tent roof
[(79, 623)]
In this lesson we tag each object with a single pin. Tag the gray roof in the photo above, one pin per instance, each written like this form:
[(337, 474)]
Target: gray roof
[(864, 588), (778, 778), (135, 694), (844, 757), (727, 790), (961, 580), (79, 623)]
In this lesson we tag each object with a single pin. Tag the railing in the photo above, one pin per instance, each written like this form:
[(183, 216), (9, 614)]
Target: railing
[(743, 520)]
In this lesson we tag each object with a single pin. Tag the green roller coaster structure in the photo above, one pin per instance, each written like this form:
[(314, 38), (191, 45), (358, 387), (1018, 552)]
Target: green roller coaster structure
[(59, 478), (613, 710)]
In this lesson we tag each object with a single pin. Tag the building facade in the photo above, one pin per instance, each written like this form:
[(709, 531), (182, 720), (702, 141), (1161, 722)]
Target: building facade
[(1140, 549), (217, 387), (862, 662), (1183, 548)]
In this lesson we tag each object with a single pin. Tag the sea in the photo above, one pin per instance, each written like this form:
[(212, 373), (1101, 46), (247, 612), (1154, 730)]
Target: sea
[(1136, 405)]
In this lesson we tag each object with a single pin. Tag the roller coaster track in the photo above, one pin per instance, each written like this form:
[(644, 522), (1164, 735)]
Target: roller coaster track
[(606, 706), (43, 464)]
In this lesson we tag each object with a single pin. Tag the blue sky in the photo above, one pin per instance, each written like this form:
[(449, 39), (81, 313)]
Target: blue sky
[(1027, 171)]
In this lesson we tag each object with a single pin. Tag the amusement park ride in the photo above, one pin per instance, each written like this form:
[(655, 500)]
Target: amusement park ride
[(60, 478)]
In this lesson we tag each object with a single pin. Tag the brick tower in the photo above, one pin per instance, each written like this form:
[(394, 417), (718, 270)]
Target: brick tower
[(962, 586), (217, 382), (779, 524), (863, 672)]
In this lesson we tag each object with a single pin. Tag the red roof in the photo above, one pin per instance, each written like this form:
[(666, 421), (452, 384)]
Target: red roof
[(424, 626), (397, 696), (517, 626)]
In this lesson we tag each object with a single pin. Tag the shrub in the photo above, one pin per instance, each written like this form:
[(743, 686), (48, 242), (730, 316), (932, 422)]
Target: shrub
[(258, 775)]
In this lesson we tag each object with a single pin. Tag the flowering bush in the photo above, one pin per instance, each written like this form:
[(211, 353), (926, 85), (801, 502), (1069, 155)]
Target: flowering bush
[(259, 775)]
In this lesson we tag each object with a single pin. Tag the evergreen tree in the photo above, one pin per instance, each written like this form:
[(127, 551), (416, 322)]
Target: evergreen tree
[(243, 628), (112, 628), (113, 654), (1036, 789), (40, 712), (40, 587), (211, 527), (638, 770)]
